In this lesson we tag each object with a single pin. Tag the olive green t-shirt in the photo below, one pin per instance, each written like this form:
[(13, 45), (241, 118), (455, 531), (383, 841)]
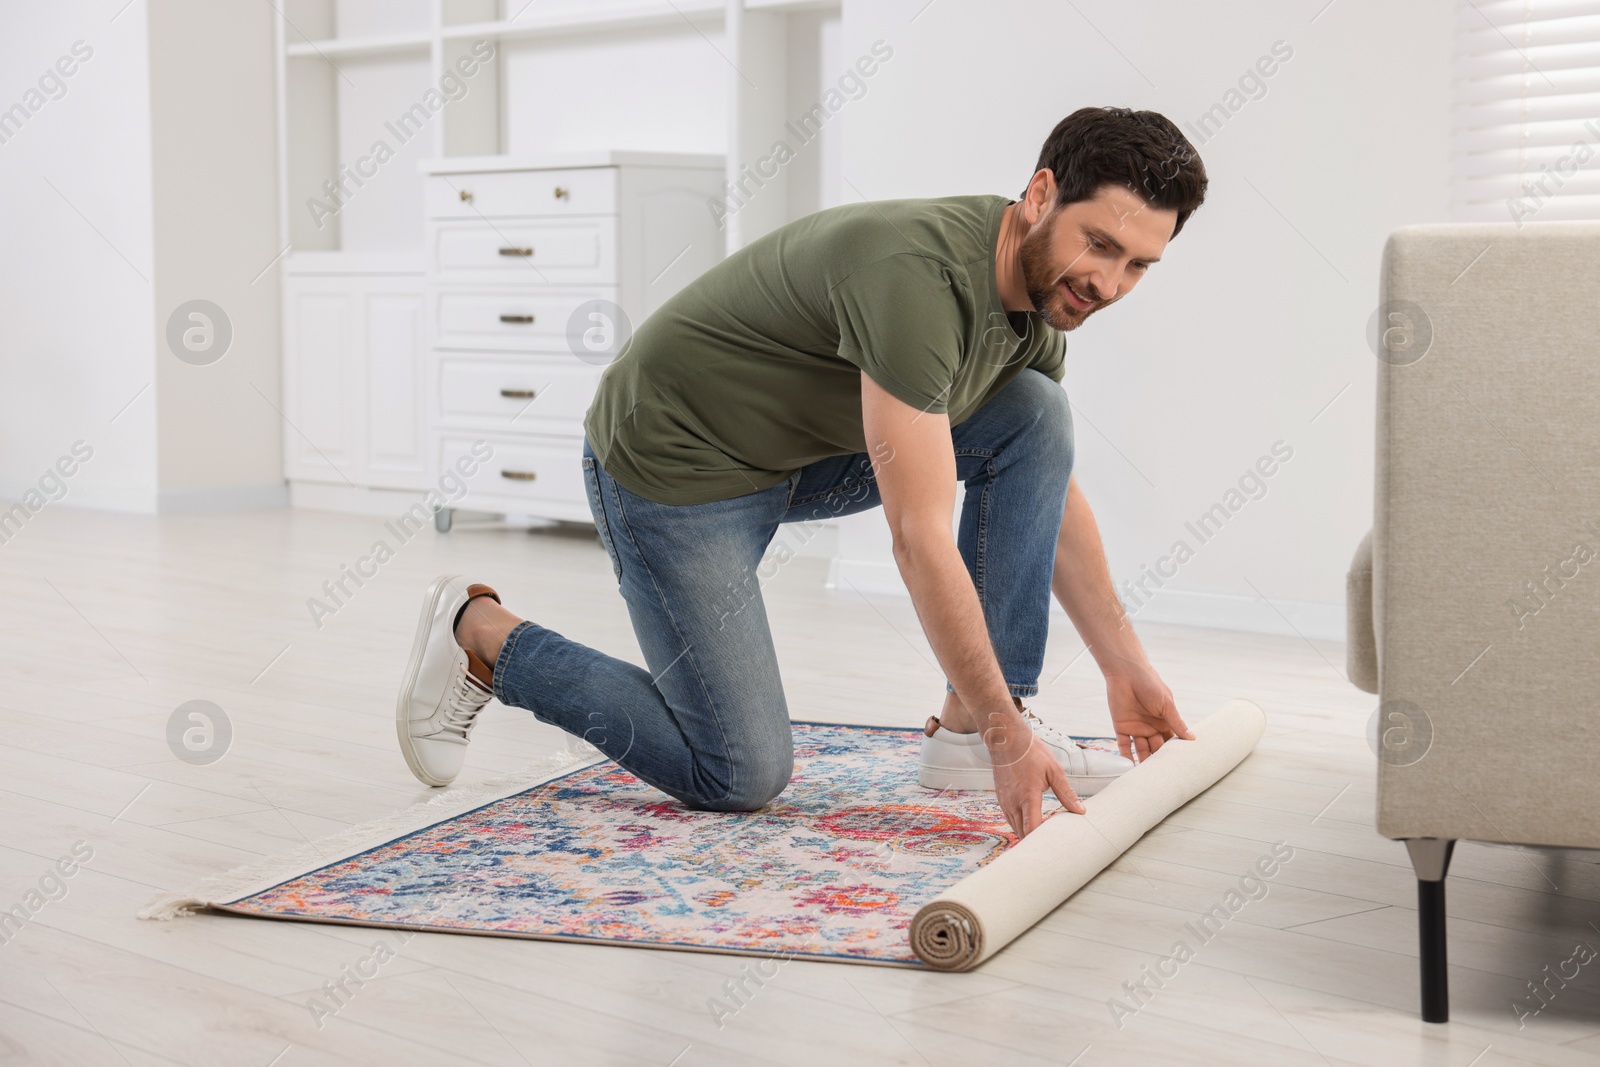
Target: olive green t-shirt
[(752, 371)]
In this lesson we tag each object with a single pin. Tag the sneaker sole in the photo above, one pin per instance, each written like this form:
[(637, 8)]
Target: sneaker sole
[(402, 709), (982, 779)]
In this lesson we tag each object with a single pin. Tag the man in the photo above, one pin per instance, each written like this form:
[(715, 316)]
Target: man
[(873, 353)]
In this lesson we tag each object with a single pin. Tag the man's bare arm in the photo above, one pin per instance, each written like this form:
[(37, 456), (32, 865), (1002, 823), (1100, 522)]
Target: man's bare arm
[(1142, 709), (914, 460)]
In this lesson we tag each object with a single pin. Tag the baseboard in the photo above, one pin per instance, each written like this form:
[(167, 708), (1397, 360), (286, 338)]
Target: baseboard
[(215, 501), (1224, 611), (795, 541), (1215, 611), (817, 540), (352, 500), (89, 496), (85, 495), (866, 576)]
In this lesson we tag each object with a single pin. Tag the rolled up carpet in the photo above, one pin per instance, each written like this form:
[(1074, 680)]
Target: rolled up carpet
[(984, 912)]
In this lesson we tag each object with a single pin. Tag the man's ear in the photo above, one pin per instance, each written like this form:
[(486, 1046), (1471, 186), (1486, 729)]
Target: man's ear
[(1040, 195)]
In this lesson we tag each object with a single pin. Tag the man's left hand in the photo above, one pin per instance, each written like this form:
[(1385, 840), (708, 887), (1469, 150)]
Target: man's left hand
[(1143, 711)]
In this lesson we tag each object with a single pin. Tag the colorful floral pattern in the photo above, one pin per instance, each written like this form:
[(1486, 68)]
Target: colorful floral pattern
[(834, 868)]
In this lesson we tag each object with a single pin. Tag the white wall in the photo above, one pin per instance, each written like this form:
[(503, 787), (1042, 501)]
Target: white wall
[(385, 213), (77, 318), (149, 182), (214, 161), (656, 90), (814, 62), (1248, 331), (1256, 318)]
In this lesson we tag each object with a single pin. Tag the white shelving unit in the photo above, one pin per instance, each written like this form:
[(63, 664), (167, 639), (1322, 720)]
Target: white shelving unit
[(379, 97), (537, 267)]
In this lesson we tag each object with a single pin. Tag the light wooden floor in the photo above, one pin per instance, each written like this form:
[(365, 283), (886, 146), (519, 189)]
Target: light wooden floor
[(112, 621)]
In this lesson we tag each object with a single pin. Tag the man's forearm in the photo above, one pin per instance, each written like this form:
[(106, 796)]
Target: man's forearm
[(1082, 583), (951, 616)]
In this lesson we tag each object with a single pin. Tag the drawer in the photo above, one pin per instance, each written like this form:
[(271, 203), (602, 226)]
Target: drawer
[(527, 252), (586, 191), (527, 395), (515, 320), (528, 471)]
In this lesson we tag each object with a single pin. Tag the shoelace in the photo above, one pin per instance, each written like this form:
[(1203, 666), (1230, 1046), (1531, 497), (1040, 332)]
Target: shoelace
[(462, 703), (1049, 733)]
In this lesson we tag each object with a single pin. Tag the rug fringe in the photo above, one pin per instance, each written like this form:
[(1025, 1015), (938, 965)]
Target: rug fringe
[(252, 878)]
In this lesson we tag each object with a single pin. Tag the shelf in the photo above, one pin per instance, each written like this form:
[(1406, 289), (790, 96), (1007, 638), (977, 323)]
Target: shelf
[(395, 44), (366, 263), (636, 16), (569, 160), (632, 17), (788, 6), (652, 13)]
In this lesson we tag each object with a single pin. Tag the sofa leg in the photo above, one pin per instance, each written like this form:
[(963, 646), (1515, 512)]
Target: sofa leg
[(1430, 857)]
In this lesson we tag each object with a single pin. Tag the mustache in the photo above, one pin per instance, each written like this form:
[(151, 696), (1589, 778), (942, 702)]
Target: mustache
[(1087, 287), (1084, 288)]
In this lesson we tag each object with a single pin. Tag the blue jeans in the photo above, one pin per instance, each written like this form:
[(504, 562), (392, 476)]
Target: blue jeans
[(707, 723)]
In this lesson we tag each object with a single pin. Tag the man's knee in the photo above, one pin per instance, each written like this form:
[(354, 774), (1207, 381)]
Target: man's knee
[(1051, 414), (752, 797), (1046, 399), (758, 786), (754, 779)]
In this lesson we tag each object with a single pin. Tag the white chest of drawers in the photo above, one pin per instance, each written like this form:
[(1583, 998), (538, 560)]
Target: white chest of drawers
[(517, 254)]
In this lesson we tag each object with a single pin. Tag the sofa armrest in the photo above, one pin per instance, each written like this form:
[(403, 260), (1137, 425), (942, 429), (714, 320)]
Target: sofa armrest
[(1361, 643)]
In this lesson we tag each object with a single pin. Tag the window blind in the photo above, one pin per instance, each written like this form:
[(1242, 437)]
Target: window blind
[(1527, 125)]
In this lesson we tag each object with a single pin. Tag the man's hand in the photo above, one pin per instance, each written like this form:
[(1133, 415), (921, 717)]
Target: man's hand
[(1142, 711), (1023, 769), (915, 462)]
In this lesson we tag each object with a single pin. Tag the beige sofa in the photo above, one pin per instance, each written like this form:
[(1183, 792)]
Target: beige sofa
[(1474, 603)]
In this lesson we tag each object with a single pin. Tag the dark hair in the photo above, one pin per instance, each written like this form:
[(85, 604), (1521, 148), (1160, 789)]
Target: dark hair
[(1143, 150)]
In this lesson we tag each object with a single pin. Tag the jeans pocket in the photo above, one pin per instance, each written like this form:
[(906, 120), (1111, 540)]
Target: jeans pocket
[(597, 508)]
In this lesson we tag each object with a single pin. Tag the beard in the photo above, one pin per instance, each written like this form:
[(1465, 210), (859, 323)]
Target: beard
[(1042, 280)]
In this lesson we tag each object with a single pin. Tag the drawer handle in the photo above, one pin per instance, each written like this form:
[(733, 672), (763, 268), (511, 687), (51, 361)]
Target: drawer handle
[(516, 318), (562, 192), (466, 196), (519, 476), (516, 252), (519, 394)]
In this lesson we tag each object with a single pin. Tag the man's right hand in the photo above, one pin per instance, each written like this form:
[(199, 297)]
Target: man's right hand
[(914, 459), (1024, 768)]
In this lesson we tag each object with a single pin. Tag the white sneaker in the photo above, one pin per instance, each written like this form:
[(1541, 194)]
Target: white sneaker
[(961, 761), (444, 688)]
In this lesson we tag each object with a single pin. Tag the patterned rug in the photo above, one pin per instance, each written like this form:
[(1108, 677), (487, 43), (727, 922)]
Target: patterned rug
[(833, 869)]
